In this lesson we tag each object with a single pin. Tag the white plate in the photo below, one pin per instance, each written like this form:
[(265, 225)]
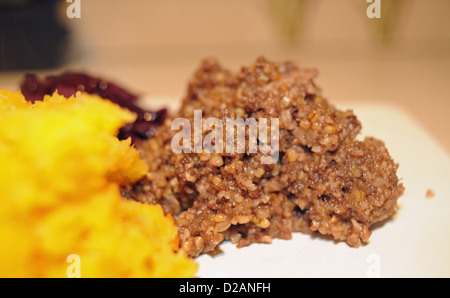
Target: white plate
[(414, 244)]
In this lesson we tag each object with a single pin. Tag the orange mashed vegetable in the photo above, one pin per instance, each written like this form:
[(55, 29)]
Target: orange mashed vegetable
[(61, 166)]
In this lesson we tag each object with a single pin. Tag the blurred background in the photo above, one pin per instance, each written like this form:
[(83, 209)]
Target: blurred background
[(152, 47)]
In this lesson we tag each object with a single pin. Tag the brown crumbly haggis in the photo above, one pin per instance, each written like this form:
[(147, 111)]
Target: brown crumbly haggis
[(325, 180)]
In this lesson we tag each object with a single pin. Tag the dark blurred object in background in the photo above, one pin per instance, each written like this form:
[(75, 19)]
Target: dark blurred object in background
[(31, 36)]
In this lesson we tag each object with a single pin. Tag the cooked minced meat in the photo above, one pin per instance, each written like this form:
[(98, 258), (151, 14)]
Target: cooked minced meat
[(324, 180)]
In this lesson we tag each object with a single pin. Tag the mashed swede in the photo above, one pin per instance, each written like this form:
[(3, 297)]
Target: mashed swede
[(61, 169)]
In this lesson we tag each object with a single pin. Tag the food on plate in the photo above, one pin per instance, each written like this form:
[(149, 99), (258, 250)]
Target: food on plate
[(68, 83), (324, 179), (61, 171)]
